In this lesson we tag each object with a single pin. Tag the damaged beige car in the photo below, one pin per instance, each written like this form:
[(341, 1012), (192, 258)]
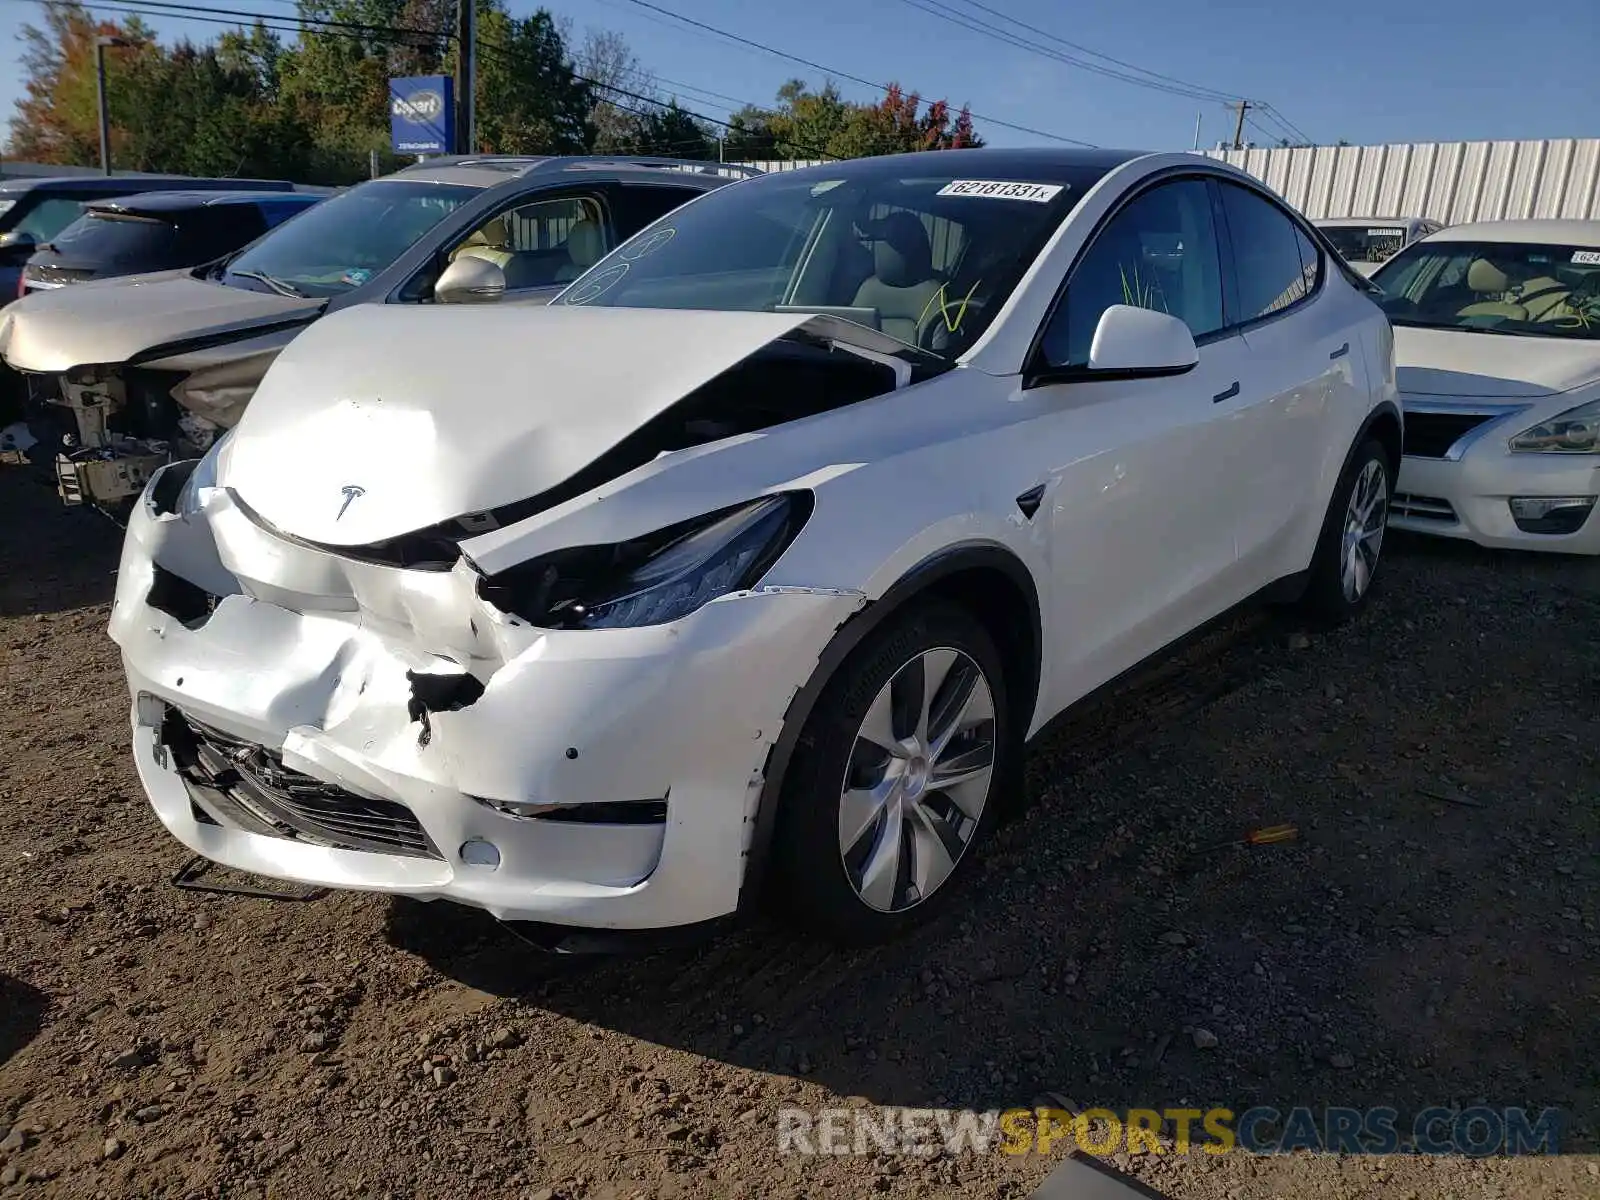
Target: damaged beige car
[(125, 375)]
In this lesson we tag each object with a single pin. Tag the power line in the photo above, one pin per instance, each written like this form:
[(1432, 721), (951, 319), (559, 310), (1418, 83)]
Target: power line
[(826, 70), (230, 17), (659, 104), (975, 25), (1144, 77), (1198, 88), (1273, 112)]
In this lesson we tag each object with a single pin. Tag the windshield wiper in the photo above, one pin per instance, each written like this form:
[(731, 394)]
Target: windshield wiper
[(277, 285)]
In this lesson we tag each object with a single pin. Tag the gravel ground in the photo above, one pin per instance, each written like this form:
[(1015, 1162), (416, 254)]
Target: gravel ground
[(1430, 938)]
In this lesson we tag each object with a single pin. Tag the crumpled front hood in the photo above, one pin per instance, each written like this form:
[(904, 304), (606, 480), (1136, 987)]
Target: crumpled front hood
[(1480, 366), (382, 420), (113, 320)]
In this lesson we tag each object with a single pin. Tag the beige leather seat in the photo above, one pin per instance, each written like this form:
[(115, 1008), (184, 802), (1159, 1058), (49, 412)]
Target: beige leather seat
[(1541, 296), (585, 246), (492, 243), (903, 287), (1486, 279)]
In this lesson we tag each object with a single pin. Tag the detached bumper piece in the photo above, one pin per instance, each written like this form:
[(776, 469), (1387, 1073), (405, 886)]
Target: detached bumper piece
[(238, 784)]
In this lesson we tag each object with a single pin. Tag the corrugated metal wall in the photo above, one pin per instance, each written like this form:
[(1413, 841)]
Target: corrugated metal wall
[(1452, 182)]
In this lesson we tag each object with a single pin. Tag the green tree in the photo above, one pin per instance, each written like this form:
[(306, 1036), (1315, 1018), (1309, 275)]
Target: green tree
[(530, 100), (822, 124)]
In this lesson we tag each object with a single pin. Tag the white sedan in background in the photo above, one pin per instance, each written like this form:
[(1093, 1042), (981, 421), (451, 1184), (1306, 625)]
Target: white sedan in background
[(767, 544), (1497, 350)]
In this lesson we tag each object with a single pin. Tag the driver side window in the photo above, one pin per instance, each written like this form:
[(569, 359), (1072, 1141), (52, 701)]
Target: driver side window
[(541, 244), (1160, 252)]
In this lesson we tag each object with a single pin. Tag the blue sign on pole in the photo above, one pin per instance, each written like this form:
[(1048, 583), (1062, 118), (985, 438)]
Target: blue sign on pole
[(422, 114)]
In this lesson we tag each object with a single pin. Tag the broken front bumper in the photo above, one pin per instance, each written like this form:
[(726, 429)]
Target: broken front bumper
[(308, 710)]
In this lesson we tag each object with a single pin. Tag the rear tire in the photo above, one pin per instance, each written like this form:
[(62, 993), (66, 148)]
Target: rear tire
[(1348, 552), (893, 781)]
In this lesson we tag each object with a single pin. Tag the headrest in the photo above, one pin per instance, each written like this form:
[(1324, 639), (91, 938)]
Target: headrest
[(1484, 276), (585, 244), (902, 256)]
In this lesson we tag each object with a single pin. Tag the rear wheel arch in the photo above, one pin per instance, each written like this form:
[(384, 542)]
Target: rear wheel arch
[(984, 578)]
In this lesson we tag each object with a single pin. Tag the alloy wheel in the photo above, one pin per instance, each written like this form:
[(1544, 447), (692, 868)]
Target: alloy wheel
[(1364, 522), (918, 779)]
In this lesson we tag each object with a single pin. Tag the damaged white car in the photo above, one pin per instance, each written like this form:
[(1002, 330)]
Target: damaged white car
[(749, 566)]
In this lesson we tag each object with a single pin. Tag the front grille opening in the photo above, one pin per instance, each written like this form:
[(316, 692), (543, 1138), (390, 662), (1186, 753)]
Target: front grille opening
[(246, 786), (1430, 435), (1422, 508), (183, 601)]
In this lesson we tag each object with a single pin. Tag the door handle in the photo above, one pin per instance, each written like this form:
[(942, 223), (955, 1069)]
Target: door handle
[(1227, 395), (1341, 351)]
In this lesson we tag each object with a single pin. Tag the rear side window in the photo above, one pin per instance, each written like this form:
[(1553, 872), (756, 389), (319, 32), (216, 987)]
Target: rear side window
[(211, 232), (276, 213), (1269, 272), (639, 206)]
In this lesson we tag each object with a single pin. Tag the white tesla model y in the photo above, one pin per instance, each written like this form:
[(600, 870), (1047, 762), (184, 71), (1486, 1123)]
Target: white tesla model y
[(750, 564)]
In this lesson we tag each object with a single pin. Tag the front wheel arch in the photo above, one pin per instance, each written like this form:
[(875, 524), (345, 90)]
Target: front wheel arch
[(985, 578)]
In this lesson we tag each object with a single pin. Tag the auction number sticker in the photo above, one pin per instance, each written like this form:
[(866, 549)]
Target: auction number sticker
[(994, 189), (1586, 258), (1386, 233)]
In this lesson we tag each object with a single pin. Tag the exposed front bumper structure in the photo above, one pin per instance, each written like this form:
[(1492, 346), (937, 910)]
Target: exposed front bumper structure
[(606, 779)]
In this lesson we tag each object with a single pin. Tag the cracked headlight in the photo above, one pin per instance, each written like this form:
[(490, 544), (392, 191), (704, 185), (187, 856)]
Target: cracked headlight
[(1576, 431), (204, 475), (653, 579)]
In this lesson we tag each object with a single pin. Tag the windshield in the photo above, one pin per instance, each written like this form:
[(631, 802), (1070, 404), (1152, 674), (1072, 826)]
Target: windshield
[(1495, 287), (343, 242), (927, 258), (1376, 244)]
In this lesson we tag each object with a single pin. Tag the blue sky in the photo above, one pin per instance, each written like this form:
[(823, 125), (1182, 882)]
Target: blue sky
[(1362, 70)]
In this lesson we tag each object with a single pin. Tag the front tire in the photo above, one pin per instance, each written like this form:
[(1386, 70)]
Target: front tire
[(893, 780), (1347, 555)]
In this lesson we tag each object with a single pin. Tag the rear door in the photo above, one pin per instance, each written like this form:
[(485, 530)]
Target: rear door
[(1305, 364)]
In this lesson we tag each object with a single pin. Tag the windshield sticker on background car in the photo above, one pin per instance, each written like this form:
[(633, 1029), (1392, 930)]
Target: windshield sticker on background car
[(941, 300), (356, 277), (1586, 258), (994, 189), (597, 286), (1386, 233), (647, 245)]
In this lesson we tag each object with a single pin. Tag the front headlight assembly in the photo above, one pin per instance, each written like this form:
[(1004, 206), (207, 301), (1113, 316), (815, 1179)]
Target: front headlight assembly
[(654, 579), (1576, 431), (204, 475)]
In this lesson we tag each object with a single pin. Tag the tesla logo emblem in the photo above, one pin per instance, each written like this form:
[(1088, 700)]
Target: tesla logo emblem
[(351, 494)]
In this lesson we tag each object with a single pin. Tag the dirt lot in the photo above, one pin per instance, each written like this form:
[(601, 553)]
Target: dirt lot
[(1407, 950)]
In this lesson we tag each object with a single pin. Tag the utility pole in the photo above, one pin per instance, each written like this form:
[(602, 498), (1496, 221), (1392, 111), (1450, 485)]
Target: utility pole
[(1242, 107), (1197, 117), (466, 75), (100, 44)]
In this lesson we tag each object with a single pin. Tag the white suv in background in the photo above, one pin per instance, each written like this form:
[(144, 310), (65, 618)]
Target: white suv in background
[(756, 557)]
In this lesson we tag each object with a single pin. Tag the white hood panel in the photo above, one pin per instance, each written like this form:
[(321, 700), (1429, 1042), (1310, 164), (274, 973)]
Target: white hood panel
[(113, 320), (433, 412), (1445, 364)]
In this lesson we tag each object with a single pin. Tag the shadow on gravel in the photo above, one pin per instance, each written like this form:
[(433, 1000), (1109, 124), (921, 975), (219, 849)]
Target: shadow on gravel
[(21, 1015), (1429, 938), (57, 558)]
